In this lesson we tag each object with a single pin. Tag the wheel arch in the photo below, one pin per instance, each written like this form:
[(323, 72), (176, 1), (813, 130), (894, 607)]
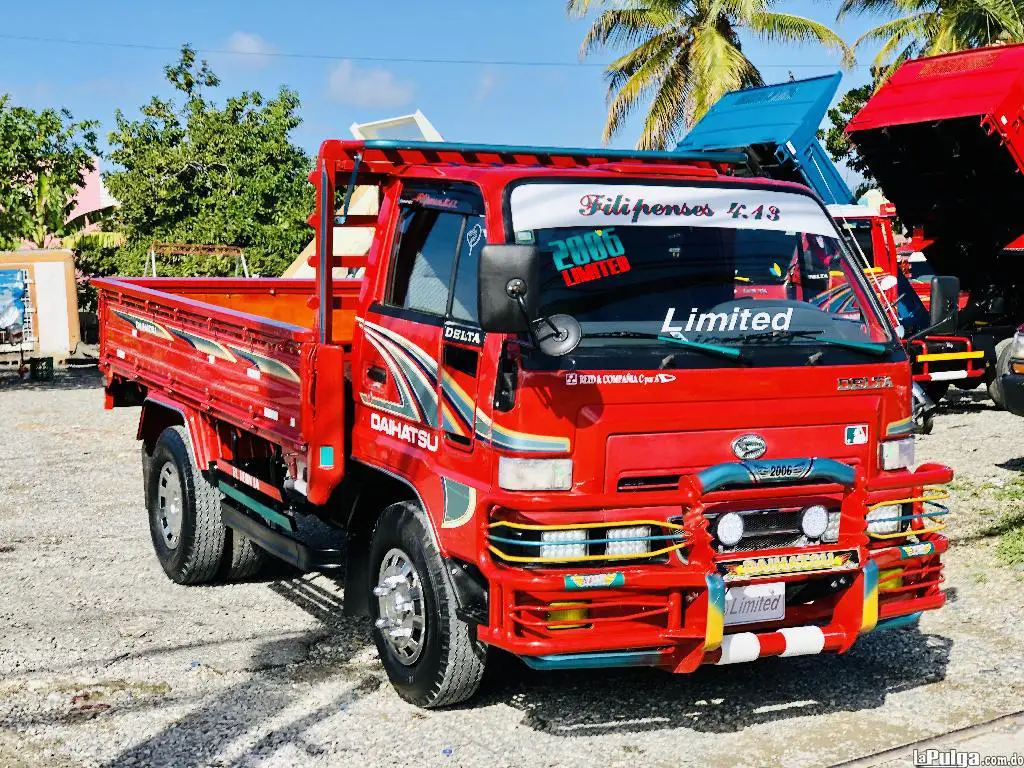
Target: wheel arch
[(159, 413), (378, 489)]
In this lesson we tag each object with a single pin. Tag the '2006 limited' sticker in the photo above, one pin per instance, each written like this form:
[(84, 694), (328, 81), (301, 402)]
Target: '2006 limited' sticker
[(589, 257)]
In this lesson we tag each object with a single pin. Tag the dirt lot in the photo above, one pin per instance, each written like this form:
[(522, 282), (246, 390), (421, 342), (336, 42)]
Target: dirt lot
[(103, 661)]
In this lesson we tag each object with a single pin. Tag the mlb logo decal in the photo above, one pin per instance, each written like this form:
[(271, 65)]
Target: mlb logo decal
[(857, 434)]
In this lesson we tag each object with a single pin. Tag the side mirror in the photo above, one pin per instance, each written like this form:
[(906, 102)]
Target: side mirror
[(945, 309), (508, 287)]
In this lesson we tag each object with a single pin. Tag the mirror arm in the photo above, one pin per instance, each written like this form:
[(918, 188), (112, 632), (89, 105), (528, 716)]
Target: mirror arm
[(521, 303), (930, 329)]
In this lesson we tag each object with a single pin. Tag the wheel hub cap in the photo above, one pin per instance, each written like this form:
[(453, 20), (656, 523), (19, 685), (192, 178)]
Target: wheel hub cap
[(399, 592), (168, 498)]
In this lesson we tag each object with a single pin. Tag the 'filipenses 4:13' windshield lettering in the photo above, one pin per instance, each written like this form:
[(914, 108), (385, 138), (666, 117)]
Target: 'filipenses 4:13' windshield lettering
[(681, 265)]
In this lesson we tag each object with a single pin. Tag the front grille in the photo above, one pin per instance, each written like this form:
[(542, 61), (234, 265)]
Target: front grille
[(649, 483), (769, 529)]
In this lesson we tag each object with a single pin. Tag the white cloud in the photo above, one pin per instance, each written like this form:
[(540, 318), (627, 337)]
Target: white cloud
[(370, 88), (486, 84), (250, 49)]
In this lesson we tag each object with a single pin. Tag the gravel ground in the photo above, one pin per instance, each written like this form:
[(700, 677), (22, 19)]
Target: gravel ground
[(103, 661)]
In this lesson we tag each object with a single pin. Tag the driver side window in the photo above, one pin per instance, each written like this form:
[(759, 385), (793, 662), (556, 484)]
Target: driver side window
[(441, 233)]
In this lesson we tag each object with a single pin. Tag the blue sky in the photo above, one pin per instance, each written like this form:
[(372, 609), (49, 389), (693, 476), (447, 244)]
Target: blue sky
[(469, 102)]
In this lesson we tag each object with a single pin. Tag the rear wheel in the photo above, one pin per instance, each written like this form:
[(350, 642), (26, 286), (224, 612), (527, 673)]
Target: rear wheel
[(184, 512), (246, 559), (995, 386), (429, 653), (936, 390)]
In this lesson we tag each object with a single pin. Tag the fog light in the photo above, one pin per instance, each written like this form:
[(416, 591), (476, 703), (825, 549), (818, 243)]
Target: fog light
[(814, 522), (563, 545), (569, 612), (729, 529), (890, 579), (623, 542), (883, 520)]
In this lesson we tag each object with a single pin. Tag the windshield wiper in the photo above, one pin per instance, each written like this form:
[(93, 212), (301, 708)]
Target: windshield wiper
[(756, 338), (871, 347), (719, 350)]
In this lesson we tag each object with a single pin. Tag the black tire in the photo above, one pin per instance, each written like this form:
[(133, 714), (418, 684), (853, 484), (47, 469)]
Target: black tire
[(246, 560), (196, 554), (995, 387), (926, 424), (450, 664), (936, 390)]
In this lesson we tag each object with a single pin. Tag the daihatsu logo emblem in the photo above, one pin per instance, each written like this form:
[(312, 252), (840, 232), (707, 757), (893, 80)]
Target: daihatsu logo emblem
[(749, 447)]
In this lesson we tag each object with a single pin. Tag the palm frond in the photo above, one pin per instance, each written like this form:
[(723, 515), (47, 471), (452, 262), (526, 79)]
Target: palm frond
[(617, 28), (789, 28), (623, 95)]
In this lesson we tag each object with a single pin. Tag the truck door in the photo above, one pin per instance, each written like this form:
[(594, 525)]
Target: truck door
[(422, 342)]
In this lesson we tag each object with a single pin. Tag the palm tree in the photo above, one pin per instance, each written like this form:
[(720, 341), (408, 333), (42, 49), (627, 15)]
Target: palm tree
[(684, 55), (931, 27)]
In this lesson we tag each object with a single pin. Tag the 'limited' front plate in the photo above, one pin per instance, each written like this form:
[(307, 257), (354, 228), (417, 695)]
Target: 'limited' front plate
[(755, 603)]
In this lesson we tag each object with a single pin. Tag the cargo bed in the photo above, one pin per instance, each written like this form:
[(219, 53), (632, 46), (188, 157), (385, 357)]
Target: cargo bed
[(945, 139), (229, 347)]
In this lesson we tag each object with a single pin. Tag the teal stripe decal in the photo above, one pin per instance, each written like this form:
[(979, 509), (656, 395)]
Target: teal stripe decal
[(601, 660), (899, 621), (268, 514)]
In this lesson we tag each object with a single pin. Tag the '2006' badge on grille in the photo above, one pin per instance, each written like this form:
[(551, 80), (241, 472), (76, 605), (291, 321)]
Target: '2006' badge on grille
[(749, 447)]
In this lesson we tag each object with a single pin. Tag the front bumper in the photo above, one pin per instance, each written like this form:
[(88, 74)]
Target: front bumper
[(1013, 393), (946, 358), (671, 614)]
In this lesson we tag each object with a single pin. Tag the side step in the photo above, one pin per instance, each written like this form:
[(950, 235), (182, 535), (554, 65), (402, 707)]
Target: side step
[(284, 547)]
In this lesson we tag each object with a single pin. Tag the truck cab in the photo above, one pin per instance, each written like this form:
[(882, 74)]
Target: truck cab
[(593, 408)]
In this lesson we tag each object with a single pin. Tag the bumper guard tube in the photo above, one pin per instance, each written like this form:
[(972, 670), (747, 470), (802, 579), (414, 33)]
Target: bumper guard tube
[(669, 610)]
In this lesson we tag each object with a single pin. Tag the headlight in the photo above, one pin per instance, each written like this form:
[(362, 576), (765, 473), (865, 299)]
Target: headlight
[(1017, 353), (814, 521), (729, 529), (1017, 348), (534, 474), (897, 454), (563, 545), (885, 519), (624, 542), (831, 535)]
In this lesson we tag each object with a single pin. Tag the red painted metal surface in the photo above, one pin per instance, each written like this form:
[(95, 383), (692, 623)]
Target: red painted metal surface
[(289, 377)]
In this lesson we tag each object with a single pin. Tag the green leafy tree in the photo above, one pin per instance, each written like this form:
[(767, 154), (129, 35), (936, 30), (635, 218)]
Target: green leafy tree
[(43, 156), (930, 27), (190, 171), (684, 55), (836, 142)]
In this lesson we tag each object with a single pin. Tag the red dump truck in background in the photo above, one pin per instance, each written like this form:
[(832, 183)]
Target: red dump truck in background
[(594, 408), (938, 357), (944, 138)]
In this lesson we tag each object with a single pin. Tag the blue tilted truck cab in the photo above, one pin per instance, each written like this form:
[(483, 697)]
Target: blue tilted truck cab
[(777, 126)]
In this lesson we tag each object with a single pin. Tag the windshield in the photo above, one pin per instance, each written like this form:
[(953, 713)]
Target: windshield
[(696, 265)]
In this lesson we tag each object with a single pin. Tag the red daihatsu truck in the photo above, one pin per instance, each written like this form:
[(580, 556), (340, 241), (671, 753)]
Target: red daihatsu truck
[(586, 406)]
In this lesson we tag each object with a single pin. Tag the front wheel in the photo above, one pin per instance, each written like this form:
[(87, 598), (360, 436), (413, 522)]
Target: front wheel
[(936, 390), (429, 653), (995, 386)]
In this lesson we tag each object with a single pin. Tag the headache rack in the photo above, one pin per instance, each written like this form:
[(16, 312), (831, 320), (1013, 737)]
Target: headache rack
[(369, 163)]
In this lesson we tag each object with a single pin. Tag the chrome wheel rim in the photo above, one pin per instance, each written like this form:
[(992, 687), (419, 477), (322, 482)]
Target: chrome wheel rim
[(168, 499), (402, 615)]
